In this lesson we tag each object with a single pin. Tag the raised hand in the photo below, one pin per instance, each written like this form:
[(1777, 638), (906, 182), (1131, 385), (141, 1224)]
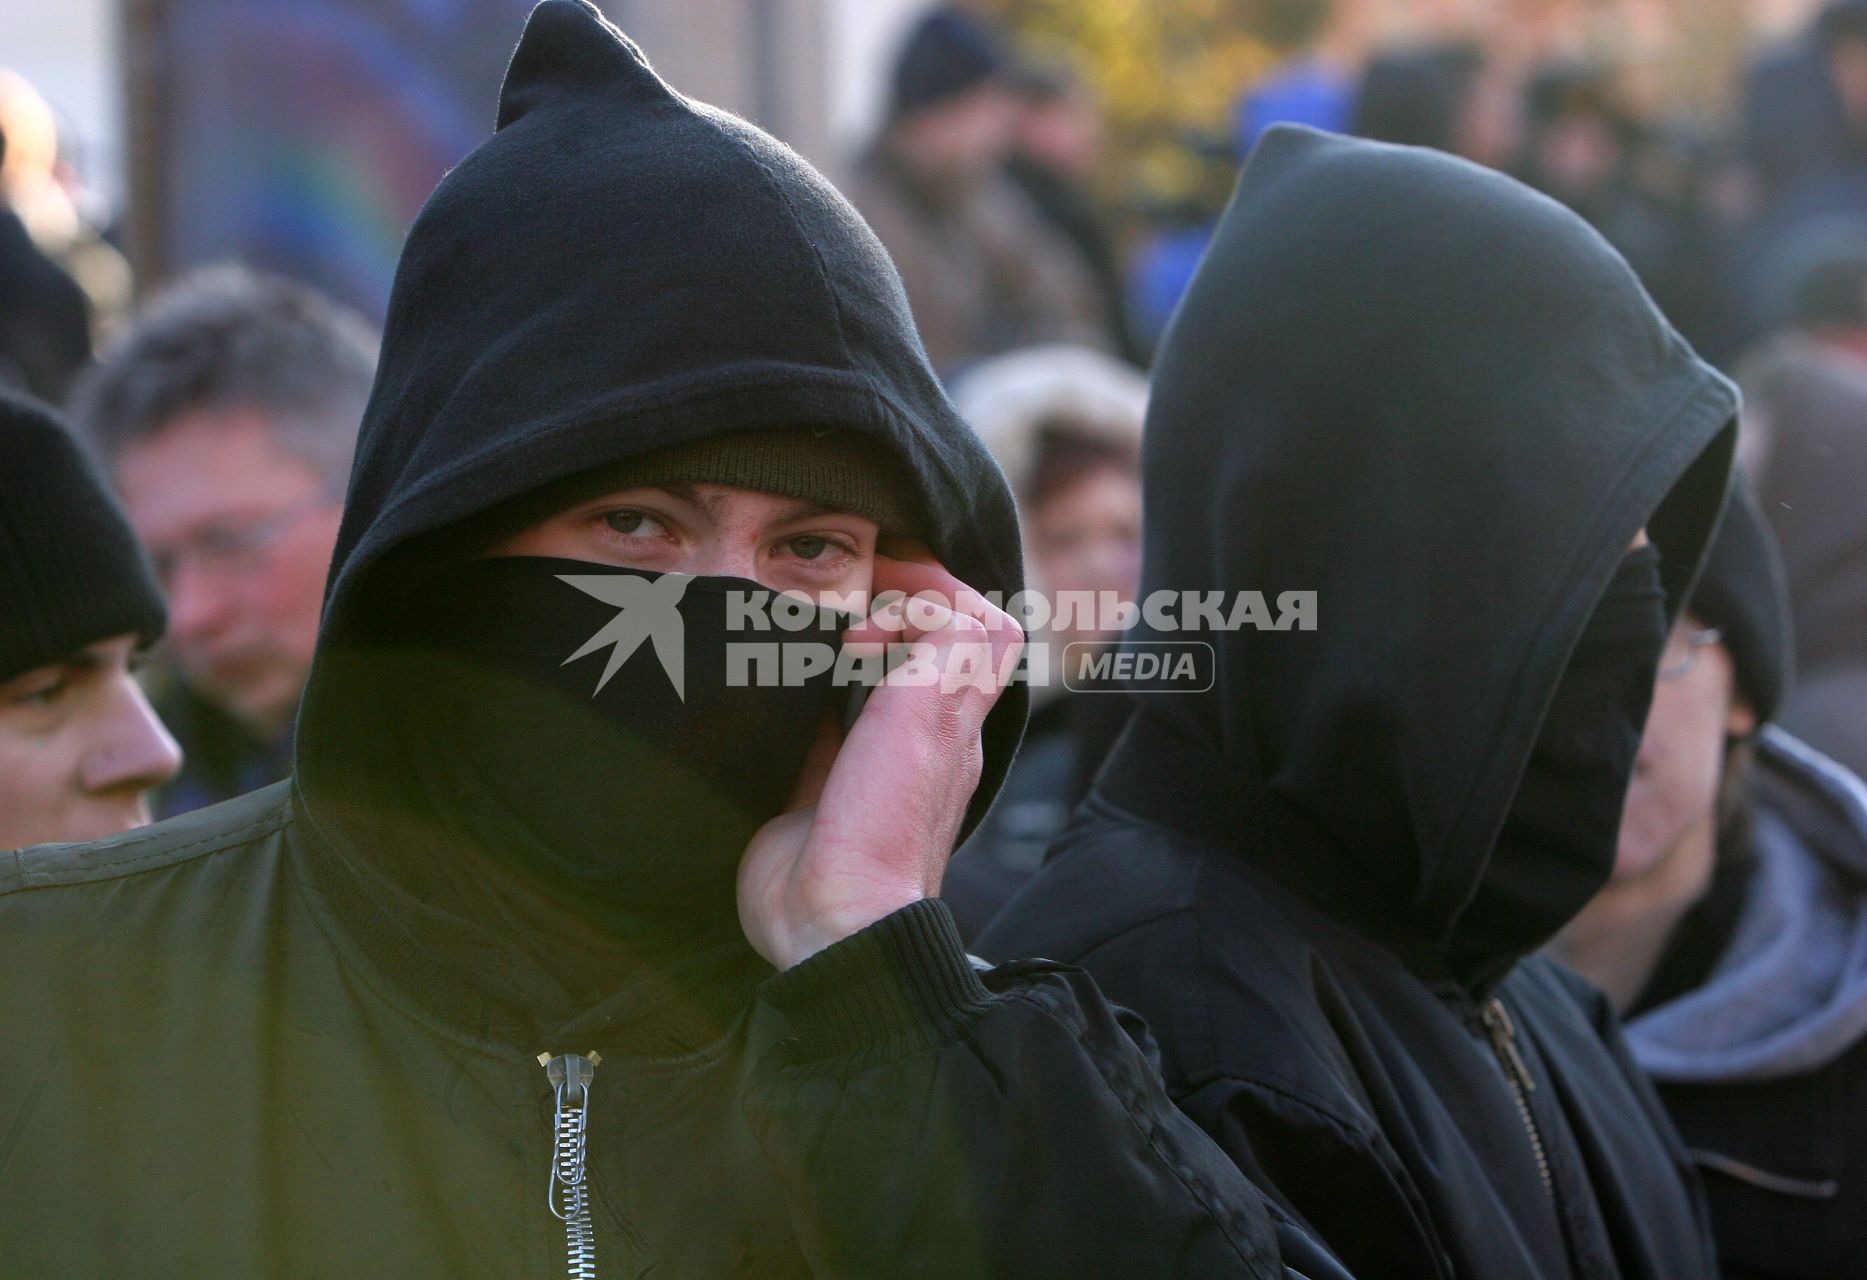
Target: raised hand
[(879, 808)]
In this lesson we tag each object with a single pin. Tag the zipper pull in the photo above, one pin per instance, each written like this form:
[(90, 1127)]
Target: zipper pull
[(571, 1072), (1503, 1033), (568, 1194)]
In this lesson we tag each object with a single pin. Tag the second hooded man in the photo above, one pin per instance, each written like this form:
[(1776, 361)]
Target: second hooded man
[(1445, 406)]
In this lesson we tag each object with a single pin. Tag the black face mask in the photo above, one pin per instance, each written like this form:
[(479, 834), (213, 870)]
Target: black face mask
[(630, 796), (1556, 848)]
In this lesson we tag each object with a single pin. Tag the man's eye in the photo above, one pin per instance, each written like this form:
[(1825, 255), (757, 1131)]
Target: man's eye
[(44, 694), (812, 548), (634, 524)]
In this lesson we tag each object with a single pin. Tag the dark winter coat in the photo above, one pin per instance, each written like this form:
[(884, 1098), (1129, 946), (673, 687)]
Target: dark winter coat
[(1754, 1028), (291, 1035), (1443, 404)]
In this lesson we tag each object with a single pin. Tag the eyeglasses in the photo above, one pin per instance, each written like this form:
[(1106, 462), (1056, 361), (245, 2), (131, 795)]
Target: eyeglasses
[(231, 550), (1681, 652)]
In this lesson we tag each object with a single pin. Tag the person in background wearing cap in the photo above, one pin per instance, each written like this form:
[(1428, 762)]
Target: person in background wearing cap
[(79, 746), (1805, 108), (1732, 938), (563, 950), (985, 272)]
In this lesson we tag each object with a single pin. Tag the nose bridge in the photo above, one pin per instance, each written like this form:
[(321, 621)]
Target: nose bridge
[(133, 748), (730, 550)]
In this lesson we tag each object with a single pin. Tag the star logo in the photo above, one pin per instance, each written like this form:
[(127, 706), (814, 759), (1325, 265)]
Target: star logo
[(649, 610)]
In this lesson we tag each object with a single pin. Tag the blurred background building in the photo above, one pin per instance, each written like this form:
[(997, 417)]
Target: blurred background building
[(302, 135)]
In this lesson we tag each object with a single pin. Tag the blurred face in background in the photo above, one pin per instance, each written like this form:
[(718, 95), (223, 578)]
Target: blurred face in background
[(1847, 67), (1488, 129), (1577, 153), (80, 747), (1672, 801), (1063, 132), (1082, 523), (240, 532), (962, 138)]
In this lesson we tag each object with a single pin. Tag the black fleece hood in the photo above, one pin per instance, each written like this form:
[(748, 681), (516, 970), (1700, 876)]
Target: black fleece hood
[(1445, 405), (617, 270)]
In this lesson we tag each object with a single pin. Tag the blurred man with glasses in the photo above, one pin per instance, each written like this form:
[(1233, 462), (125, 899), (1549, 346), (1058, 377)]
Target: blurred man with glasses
[(1732, 939), (227, 416)]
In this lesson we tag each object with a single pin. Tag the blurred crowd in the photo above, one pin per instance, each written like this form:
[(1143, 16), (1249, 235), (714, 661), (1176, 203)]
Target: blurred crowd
[(222, 414)]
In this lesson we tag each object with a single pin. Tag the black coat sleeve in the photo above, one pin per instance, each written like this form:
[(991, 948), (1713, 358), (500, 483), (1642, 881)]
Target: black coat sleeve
[(927, 1119)]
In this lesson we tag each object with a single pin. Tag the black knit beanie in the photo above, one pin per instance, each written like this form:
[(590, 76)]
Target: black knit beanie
[(834, 469), (946, 55), (1744, 594), (71, 572)]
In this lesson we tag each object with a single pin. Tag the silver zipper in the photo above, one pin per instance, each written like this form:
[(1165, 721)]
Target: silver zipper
[(1503, 1034), (568, 1194)]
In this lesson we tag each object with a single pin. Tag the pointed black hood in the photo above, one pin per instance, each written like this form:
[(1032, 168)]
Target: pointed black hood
[(1445, 405), (616, 270), (619, 269)]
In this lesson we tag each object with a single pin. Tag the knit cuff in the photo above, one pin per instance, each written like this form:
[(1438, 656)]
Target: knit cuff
[(906, 975)]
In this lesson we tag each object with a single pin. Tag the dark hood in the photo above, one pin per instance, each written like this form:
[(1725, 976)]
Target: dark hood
[(1444, 404), (1743, 593), (616, 270)]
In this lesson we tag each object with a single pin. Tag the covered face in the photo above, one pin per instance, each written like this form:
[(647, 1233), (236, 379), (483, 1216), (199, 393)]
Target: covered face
[(1444, 405), (639, 359)]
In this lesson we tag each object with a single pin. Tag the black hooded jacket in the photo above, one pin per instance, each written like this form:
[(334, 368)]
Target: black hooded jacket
[(1443, 404), (298, 1034)]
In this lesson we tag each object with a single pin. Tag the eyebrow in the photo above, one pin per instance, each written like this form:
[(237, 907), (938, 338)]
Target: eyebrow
[(77, 662), (90, 658), (691, 496), (81, 661)]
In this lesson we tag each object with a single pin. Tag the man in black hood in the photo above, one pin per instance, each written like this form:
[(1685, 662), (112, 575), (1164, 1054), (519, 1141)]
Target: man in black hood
[(487, 987), (1443, 404)]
